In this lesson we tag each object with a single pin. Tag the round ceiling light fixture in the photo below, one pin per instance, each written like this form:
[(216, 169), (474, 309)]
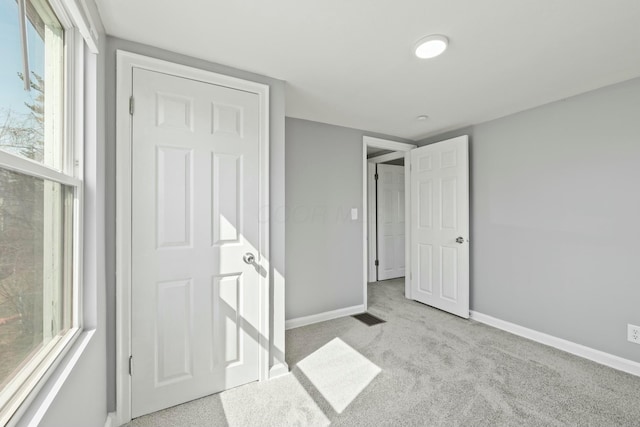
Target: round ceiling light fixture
[(431, 46), (422, 118)]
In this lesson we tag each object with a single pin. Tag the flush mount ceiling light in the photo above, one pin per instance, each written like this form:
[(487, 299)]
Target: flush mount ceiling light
[(431, 46), (422, 117)]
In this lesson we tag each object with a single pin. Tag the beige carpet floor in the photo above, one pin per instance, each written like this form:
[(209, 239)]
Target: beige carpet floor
[(423, 367)]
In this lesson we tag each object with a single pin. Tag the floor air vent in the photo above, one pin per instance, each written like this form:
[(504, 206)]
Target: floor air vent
[(368, 319)]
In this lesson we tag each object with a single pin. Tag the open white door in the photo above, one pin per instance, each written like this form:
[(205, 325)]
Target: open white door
[(391, 223), (439, 246)]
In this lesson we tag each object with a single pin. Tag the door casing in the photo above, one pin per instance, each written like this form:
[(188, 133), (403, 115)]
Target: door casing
[(126, 61), (371, 228)]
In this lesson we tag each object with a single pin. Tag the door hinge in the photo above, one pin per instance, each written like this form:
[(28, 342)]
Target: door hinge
[(376, 263), (130, 365), (131, 105), (375, 176)]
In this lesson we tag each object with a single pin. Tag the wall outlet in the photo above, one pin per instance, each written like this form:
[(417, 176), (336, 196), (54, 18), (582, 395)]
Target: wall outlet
[(633, 333)]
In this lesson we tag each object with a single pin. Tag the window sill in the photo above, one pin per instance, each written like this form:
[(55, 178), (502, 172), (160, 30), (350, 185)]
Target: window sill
[(36, 404)]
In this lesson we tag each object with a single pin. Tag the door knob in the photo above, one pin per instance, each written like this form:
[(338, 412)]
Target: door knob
[(460, 240), (249, 258)]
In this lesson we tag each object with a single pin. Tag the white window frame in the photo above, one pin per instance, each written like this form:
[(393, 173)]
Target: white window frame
[(33, 376)]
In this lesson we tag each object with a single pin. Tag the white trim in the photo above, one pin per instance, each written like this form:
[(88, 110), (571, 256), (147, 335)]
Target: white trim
[(387, 157), (365, 225), (369, 141), (85, 24), (61, 10), (278, 370), (407, 225), (607, 359), (36, 169), (372, 236), (80, 17), (123, 244), (75, 164), (111, 420), (264, 220), (387, 144), (323, 317), (126, 61)]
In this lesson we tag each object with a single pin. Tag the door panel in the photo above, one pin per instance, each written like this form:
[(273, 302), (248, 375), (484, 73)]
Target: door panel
[(391, 223), (425, 268), (174, 331), (227, 323), (425, 213), (226, 187), (195, 213), (174, 196), (439, 216)]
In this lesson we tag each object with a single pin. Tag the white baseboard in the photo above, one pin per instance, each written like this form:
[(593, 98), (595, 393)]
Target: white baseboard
[(278, 370), (592, 354), (321, 317), (110, 422)]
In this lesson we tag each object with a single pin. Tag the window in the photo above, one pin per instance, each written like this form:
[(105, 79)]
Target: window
[(40, 196)]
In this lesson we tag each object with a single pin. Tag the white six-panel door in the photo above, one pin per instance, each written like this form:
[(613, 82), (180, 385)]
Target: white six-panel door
[(195, 210), (391, 222), (440, 225)]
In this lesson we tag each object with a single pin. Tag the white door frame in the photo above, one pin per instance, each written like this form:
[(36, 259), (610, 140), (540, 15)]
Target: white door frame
[(385, 144), (126, 61), (372, 237)]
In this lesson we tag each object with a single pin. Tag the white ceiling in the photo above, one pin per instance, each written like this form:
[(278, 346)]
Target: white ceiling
[(350, 62)]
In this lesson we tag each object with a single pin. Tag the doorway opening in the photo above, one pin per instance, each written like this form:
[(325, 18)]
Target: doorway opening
[(386, 220), (383, 210), (433, 227)]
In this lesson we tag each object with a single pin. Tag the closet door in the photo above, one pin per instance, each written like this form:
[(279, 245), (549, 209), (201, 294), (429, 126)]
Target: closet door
[(391, 222)]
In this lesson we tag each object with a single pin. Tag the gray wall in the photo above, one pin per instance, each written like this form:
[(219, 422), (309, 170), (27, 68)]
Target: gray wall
[(555, 208), (277, 168), (324, 246)]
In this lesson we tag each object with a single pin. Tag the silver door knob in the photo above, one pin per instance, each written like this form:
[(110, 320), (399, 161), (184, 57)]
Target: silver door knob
[(249, 258), (460, 240)]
